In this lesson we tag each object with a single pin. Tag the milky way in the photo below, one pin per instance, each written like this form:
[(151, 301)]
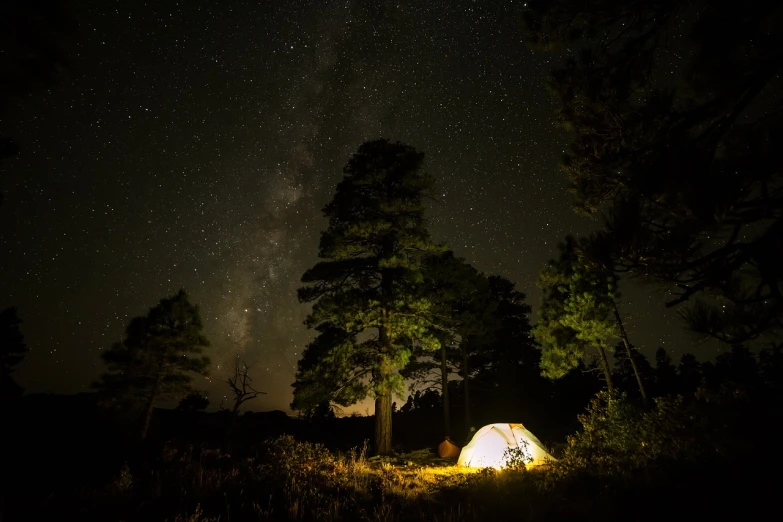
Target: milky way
[(193, 144)]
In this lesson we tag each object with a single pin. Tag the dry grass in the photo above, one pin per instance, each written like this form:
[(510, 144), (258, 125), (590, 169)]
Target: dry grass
[(295, 481), (287, 480), (290, 481)]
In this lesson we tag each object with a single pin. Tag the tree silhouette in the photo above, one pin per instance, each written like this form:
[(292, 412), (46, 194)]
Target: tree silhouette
[(194, 401), (507, 379), (581, 293), (689, 374), (448, 282), (36, 39), (595, 254), (482, 324), (373, 247), (665, 373), (475, 322), (682, 158), (241, 385), (12, 352), (323, 411), (630, 365), (160, 353), (433, 372), (771, 367), (575, 314), (462, 309), (738, 367)]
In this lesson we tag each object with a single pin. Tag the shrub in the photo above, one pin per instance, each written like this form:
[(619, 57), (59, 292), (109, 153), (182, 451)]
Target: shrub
[(618, 436), (123, 482), (285, 456), (517, 459)]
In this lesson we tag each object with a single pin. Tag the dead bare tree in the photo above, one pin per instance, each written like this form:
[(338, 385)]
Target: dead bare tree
[(241, 386)]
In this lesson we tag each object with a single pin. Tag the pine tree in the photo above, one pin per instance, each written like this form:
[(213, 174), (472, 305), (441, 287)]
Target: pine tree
[(373, 249), (675, 141), (482, 325), (689, 376), (665, 373), (595, 254), (157, 359), (461, 310), (575, 314), (507, 358), (433, 371), (507, 339), (630, 365), (580, 309), (12, 352)]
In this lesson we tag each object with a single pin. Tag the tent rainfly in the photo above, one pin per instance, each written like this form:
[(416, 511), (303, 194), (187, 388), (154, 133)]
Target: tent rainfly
[(488, 447)]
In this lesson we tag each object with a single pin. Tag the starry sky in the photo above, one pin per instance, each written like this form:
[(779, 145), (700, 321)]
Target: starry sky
[(193, 144)]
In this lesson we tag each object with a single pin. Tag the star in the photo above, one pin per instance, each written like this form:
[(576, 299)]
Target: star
[(193, 149)]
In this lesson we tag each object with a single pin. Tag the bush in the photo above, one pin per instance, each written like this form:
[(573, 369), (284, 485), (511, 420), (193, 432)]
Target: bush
[(517, 459), (124, 480), (617, 436), (285, 456)]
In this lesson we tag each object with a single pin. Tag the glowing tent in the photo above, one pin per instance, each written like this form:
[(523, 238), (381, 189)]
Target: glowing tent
[(488, 447)]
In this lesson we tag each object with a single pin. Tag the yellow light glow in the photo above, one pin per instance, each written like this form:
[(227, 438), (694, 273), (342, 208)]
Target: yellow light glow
[(489, 447)]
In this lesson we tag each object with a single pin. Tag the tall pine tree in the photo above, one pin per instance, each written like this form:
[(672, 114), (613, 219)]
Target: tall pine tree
[(506, 348), (675, 140), (160, 353), (461, 309), (506, 378), (367, 286), (580, 310), (575, 314)]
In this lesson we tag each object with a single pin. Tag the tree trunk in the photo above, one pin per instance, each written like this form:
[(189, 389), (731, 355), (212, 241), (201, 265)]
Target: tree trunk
[(466, 385), (607, 372), (624, 336), (383, 401), (150, 406), (383, 411), (444, 379)]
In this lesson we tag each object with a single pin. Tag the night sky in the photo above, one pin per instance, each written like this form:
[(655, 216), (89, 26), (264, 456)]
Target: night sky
[(193, 144)]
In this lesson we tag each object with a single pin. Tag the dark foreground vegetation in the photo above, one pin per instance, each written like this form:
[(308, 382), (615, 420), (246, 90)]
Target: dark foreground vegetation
[(710, 453)]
